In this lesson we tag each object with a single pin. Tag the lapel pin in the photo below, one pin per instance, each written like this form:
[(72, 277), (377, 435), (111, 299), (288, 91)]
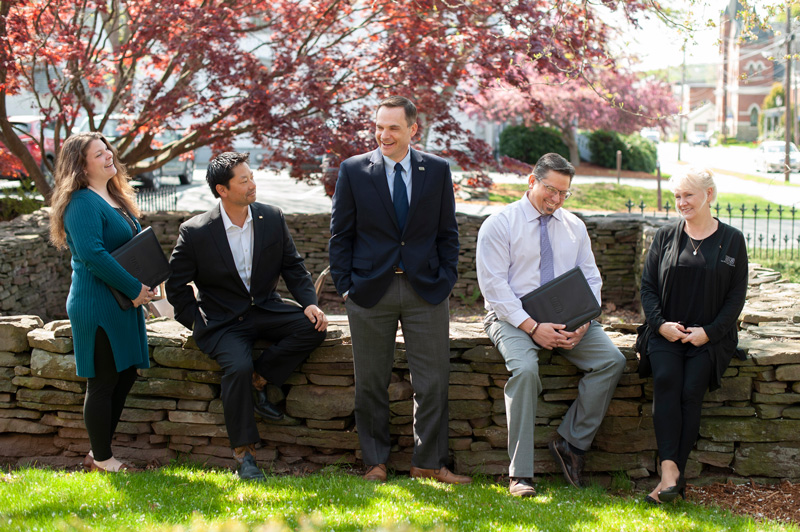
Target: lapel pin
[(260, 217), (421, 168)]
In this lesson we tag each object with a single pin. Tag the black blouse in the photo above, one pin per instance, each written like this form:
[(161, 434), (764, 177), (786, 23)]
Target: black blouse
[(685, 302)]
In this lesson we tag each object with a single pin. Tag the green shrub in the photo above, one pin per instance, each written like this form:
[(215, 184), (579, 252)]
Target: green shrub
[(641, 154), (20, 200), (527, 144), (638, 153), (604, 145)]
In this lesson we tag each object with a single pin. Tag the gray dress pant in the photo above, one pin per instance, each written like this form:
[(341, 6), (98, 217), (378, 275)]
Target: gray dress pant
[(595, 355), (426, 331)]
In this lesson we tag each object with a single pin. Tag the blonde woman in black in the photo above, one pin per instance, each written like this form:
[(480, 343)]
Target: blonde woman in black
[(693, 288)]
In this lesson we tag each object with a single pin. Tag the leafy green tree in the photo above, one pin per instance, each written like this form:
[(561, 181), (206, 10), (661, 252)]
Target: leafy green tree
[(771, 102)]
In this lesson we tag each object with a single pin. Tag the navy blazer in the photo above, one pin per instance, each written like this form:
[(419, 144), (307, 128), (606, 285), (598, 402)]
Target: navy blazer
[(203, 255), (366, 244)]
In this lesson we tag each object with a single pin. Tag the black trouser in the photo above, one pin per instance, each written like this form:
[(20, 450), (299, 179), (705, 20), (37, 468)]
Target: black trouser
[(105, 397), (681, 373), (294, 336)]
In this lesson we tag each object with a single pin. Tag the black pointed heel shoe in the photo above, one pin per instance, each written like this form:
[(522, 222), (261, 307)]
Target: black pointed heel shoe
[(650, 500)]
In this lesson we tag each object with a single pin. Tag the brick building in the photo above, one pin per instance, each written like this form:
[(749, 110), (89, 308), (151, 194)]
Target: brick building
[(746, 76)]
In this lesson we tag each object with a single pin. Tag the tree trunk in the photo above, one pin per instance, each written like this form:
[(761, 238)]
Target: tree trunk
[(568, 137)]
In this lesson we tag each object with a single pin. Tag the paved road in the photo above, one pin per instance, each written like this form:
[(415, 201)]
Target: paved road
[(279, 189), (275, 188)]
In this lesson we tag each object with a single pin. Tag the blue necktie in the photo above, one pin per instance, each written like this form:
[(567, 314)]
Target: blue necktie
[(545, 251), (400, 198)]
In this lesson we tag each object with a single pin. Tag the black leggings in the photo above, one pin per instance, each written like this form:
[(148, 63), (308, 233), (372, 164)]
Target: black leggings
[(105, 397), (681, 373)]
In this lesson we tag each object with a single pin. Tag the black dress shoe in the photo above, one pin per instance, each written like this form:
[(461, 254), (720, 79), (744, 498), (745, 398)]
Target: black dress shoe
[(248, 470), (264, 408), (571, 463)]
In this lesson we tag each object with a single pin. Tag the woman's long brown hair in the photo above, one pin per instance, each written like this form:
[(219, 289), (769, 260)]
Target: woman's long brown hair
[(70, 175)]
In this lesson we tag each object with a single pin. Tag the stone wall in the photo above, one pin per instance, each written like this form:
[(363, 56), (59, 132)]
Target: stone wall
[(35, 277), (750, 427)]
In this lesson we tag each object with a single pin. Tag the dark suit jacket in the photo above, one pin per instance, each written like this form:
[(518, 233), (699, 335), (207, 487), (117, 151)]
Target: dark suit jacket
[(204, 256), (366, 243)]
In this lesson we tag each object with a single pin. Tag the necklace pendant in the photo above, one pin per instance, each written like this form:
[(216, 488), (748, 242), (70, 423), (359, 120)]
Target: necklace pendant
[(694, 252)]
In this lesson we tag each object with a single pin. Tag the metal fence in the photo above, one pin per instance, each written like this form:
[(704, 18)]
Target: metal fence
[(769, 231), (163, 199)]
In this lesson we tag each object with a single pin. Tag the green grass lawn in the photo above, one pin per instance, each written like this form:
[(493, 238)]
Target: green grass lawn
[(782, 262), (613, 197), (181, 497)]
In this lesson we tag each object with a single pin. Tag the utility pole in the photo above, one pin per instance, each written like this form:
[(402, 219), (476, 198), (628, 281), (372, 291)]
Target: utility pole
[(787, 162), (794, 87), (682, 110), (726, 40)]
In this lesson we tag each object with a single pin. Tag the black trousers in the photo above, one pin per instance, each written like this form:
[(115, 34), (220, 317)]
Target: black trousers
[(294, 336), (105, 397), (681, 373)]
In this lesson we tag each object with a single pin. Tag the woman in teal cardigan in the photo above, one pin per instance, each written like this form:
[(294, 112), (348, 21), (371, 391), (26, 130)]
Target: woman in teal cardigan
[(93, 213)]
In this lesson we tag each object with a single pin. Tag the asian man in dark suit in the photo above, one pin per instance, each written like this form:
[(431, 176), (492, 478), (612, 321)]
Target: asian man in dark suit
[(235, 254), (393, 256)]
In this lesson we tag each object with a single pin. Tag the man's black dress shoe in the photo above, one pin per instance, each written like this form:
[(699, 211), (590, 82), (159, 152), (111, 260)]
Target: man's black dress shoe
[(248, 470), (264, 408), (571, 463)]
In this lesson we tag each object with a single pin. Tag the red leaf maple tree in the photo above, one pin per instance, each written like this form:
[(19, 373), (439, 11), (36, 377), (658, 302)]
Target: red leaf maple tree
[(616, 100), (299, 76)]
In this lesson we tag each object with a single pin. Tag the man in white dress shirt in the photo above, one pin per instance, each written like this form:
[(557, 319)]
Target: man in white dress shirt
[(235, 254), (520, 248)]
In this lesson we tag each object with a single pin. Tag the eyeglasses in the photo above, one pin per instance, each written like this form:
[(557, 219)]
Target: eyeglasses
[(553, 190)]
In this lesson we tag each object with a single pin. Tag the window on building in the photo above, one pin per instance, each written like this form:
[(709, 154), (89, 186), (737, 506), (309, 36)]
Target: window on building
[(754, 116)]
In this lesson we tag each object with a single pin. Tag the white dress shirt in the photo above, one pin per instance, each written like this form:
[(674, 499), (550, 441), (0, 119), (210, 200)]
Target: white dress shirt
[(406, 164), (241, 241), (508, 256)]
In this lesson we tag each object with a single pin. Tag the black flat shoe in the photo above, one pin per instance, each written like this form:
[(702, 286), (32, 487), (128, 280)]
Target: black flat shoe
[(264, 408), (650, 500), (671, 493)]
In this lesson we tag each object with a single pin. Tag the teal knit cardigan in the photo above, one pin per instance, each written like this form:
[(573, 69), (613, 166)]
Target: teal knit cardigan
[(94, 229)]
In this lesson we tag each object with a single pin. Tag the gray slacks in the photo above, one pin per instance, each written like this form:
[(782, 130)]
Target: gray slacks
[(426, 331), (595, 355)]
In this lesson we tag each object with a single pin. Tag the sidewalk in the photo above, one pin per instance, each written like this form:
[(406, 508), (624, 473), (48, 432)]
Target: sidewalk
[(293, 196)]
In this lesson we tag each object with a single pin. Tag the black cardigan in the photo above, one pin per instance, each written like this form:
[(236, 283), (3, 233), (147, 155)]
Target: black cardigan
[(723, 294)]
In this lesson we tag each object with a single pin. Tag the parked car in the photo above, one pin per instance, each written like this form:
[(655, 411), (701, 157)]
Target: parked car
[(30, 130), (652, 134), (699, 138), (182, 166), (771, 156)]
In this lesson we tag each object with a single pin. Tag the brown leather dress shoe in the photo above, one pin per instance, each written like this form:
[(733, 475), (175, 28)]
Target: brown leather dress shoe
[(87, 462), (376, 473), (571, 463), (521, 487), (442, 475)]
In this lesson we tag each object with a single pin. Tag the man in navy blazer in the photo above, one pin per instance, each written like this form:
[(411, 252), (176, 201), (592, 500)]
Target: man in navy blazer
[(235, 253), (393, 257)]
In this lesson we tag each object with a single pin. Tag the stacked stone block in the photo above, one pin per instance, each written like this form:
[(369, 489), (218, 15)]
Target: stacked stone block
[(35, 277), (750, 426)]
